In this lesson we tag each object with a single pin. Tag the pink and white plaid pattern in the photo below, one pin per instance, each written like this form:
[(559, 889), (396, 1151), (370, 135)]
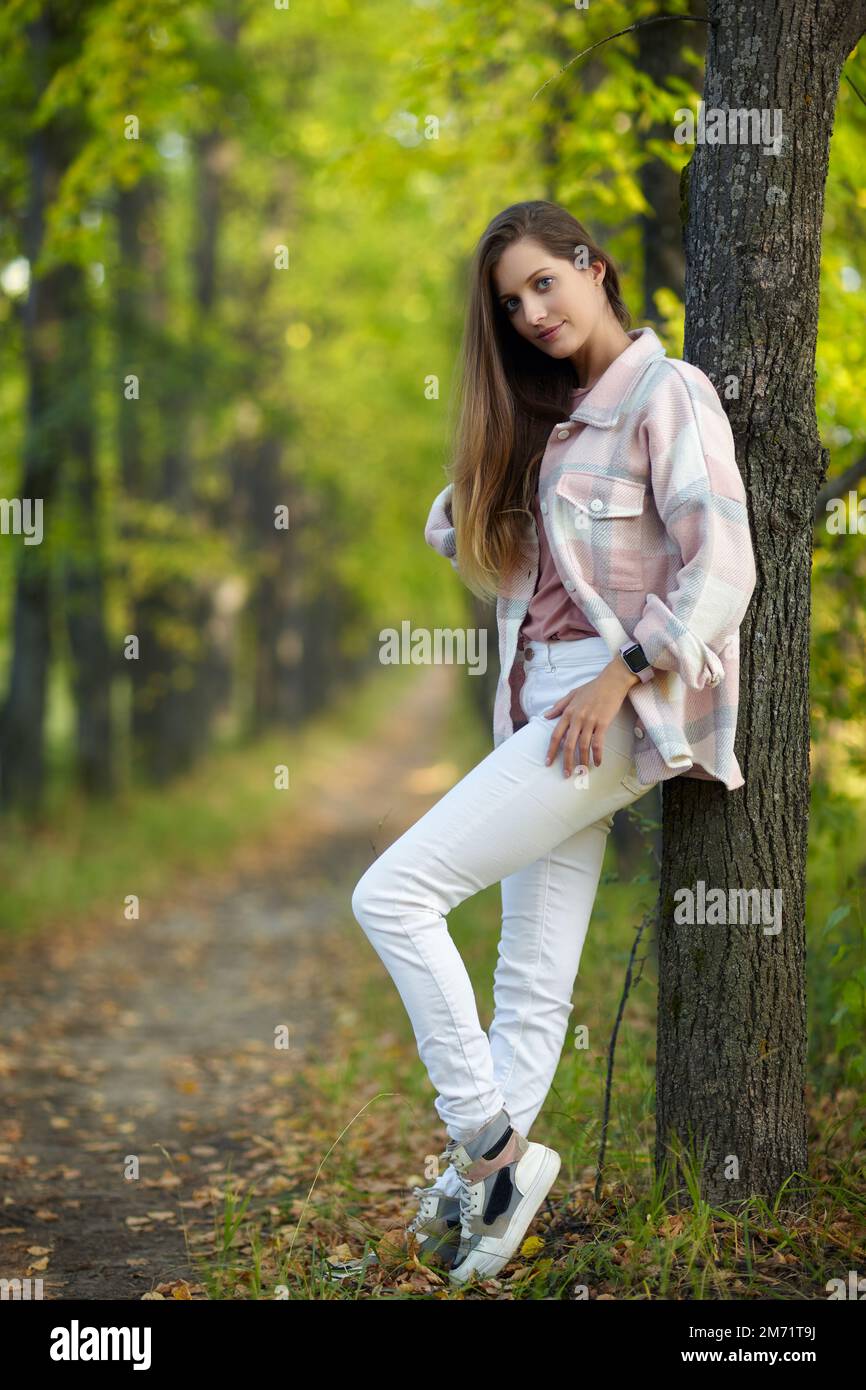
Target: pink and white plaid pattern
[(648, 527)]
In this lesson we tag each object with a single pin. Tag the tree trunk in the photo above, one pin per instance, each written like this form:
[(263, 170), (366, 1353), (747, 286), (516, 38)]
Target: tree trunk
[(160, 740), (83, 557), (274, 609), (22, 727), (173, 690), (210, 670), (732, 1018)]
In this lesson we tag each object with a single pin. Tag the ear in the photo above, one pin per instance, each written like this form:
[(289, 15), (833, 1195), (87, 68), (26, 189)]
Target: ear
[(599, 270)]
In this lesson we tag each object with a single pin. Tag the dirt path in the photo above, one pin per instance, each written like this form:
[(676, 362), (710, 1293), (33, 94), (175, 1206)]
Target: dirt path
[(155, 1039)]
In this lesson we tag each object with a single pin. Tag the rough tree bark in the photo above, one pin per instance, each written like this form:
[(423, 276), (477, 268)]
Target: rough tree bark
[(732, 1017)]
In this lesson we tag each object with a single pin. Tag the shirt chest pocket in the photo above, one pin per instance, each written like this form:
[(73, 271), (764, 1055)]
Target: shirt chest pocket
[(601, 522)]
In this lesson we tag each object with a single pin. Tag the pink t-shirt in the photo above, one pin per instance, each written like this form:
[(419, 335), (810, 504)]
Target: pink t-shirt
[(552, 615)]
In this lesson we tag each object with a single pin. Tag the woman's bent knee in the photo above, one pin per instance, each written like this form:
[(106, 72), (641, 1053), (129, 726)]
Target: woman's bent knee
[(361, 897), (374, 896), (394, 897)]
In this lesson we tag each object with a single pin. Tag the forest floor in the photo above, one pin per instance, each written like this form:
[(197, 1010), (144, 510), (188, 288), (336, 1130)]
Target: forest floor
[(138, 1069)]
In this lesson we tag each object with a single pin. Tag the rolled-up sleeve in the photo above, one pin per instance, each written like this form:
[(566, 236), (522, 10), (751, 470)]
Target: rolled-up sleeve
[(701, 500), (439, 531)]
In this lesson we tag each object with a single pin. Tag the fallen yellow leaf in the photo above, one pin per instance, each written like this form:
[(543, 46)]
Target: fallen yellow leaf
[(532, 1245)]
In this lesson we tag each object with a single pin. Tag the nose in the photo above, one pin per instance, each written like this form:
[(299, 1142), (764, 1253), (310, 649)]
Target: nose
[(536, 315)]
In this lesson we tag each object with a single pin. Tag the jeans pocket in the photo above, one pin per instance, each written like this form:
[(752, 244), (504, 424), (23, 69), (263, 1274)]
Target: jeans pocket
[(630, 781), (629, 778), (633, 783)]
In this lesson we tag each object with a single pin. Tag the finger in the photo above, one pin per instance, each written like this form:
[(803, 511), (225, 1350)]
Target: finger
[(585, 740), (597, 747), (555, 737), (568, 752), (570, 757)]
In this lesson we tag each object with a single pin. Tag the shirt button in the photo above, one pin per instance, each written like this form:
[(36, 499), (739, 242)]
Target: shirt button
[(569, 583), (563, 434), (596, 504), (638, 731), (544, 508)]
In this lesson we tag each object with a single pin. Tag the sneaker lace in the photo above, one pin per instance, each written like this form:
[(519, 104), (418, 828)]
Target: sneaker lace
[(464, 1195), (465, 1198), (420, 1193)]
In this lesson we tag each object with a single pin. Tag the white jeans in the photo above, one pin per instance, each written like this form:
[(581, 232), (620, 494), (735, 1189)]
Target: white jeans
[(515, 819)]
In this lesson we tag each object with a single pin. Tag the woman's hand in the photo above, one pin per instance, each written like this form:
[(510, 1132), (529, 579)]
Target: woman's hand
[(586, 713)]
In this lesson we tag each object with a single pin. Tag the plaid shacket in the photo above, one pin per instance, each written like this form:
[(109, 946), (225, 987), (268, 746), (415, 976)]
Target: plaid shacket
[(646, 519)]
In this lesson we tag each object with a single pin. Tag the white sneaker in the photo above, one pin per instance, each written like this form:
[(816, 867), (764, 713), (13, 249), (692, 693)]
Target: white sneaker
[(505, 1178)]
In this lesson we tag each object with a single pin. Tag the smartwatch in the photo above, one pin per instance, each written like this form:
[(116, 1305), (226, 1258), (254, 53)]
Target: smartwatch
[(634, 657)]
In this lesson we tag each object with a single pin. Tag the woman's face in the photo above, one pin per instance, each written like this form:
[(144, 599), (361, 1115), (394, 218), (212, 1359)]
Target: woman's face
[(538, 292)]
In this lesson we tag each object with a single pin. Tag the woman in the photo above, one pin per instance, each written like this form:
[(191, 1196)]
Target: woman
[(596, 496)]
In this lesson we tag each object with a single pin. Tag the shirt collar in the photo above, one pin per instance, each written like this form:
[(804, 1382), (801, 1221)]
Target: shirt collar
[(603, 404)]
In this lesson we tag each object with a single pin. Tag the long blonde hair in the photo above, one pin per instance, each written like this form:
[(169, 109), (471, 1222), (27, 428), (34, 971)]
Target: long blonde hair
[(508, 397)]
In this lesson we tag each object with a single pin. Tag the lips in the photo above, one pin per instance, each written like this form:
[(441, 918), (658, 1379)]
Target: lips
[(542, 337)]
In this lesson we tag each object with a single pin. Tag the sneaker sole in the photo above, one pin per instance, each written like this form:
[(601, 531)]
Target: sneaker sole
[(486, 1261)]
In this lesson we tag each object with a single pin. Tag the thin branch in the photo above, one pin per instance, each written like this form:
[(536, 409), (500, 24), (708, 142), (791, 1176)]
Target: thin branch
[(639, 24), (648, 917), (834, 487), (856, 89)]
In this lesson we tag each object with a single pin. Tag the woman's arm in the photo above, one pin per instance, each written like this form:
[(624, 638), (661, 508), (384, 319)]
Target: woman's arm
[(701, 500), (439, 530)]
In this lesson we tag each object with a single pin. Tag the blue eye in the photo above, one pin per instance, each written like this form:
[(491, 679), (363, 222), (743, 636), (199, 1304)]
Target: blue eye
[(540, 281)]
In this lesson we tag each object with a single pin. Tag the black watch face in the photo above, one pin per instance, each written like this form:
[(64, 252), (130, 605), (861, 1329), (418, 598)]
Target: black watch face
[(635, 660)]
